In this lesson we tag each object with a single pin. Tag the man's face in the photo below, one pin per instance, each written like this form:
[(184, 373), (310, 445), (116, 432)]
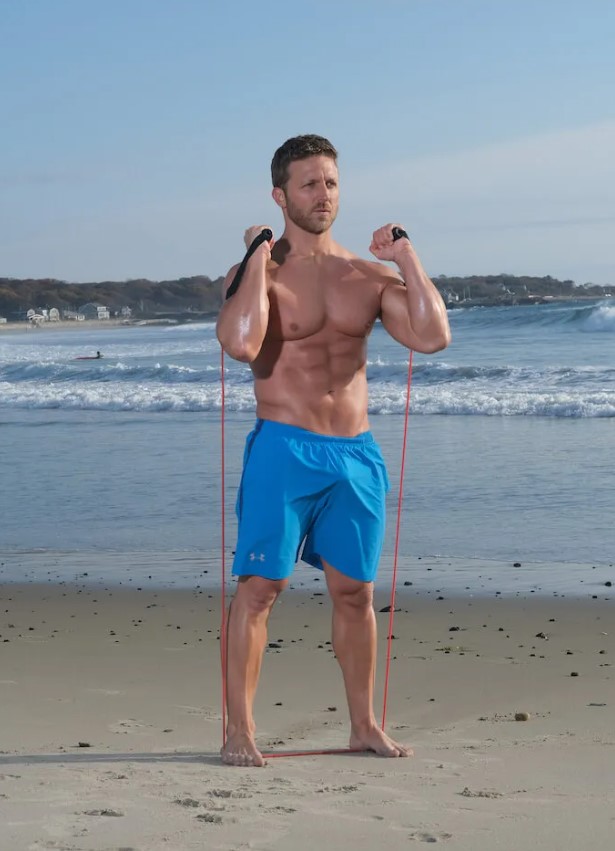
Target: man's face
[(311, 195)]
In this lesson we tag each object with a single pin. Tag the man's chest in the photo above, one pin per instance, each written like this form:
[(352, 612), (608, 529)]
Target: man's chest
[(305, 302)]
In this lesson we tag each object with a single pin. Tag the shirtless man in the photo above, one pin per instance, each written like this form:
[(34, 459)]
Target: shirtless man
[(313, 474)]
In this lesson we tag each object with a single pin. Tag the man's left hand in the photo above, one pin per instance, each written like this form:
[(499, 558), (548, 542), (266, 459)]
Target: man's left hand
[(384, 247)]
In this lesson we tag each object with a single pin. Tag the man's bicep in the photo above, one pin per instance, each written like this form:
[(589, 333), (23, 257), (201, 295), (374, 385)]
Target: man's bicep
[(394, 311), (387, 280), (393, 300)]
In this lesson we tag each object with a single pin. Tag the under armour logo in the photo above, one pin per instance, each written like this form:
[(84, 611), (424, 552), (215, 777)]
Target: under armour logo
[(259, 557)]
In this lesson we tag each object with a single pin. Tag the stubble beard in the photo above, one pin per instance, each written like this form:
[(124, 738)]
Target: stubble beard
[(309, 222)]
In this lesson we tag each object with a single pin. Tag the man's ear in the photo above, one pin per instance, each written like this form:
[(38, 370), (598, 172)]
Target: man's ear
[(279, 197)]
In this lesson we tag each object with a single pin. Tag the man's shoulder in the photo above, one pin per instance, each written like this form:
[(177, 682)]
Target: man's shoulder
[(375, 271)]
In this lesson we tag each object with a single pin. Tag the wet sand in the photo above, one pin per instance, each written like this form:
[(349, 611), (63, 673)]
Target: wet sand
[(110, 725)]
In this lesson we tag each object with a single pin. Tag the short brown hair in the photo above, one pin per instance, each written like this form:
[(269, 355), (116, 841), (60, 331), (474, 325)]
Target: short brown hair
[(298, 148)]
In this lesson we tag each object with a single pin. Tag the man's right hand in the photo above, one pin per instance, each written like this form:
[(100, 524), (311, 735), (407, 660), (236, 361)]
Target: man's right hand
[(251, 234)]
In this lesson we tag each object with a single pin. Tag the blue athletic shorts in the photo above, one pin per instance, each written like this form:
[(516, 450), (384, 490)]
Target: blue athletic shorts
[(300, 488)]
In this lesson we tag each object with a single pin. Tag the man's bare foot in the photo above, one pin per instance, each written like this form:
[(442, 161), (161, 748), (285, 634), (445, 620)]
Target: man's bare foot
[(240, 749), (374, 739)]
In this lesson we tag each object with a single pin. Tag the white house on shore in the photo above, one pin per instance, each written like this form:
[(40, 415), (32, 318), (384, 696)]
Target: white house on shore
[(35, 319), (91, 310), (43, 315)]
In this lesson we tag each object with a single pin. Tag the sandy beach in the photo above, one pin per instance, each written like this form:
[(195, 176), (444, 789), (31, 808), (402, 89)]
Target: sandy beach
[(62, 325), (111, 724), (96, 325)]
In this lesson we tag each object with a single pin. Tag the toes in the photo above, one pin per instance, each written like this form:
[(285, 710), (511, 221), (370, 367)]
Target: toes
[(401, 751), (242, 758), (227, 758), (384, 746)]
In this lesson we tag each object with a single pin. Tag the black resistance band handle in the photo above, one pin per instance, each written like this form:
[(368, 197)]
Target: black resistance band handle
[(399, 233), (264, 236)]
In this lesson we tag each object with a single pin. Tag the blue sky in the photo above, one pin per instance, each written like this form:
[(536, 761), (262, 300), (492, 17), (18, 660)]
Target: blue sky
[(136, 136)]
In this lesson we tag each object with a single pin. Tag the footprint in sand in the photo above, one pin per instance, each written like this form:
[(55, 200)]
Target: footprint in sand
[(187, 802), (206, 805), (481, 793), (128, 725), (213, 808), (201, 711), (228, 793), (424, 836), (338, 789), (210, 819), (107, 811)]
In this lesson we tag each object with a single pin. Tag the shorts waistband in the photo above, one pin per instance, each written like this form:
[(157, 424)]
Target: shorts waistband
[(275, 428)]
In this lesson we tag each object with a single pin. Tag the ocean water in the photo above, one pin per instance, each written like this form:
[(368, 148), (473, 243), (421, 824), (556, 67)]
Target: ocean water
[(510, 453)]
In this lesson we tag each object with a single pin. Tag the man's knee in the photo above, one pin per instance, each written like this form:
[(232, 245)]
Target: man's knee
[(359, 598), (348, 593), (258, 594)]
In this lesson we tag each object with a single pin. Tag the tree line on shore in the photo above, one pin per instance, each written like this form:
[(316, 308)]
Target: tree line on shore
[(201, 294)]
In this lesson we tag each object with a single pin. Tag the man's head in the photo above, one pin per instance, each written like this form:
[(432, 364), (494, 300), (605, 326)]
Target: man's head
[(305, 181), (298, 148)]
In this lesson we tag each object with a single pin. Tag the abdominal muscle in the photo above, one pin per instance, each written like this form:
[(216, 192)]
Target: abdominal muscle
[(317, 383)]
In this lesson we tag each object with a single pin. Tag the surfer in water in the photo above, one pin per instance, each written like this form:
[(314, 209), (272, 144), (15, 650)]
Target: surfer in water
[(97, 356), (313, 479)]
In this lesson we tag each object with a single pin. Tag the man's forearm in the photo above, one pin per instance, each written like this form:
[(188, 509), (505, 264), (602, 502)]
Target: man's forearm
[(243, 319), (426, 309)]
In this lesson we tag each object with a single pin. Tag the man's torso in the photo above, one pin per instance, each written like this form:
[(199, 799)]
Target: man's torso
[(311, 370)]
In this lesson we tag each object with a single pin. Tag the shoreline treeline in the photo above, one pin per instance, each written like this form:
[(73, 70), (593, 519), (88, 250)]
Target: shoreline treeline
[(201, 294)]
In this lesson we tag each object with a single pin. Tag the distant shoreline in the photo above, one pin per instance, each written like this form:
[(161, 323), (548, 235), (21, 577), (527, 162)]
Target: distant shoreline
[(169, 321), (95, 325), (62, 325)]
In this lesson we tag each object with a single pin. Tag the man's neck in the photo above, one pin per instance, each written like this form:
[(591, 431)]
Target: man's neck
[(304, 244)]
